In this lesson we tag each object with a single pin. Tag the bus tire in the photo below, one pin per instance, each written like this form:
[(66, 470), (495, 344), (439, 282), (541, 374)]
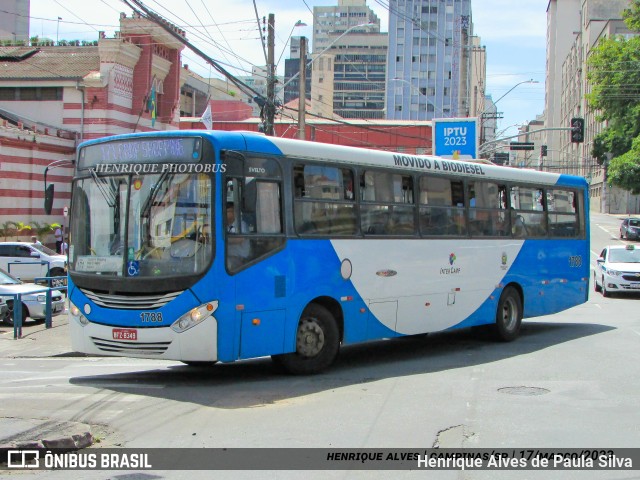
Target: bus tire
[(508, 315), (317, 343)]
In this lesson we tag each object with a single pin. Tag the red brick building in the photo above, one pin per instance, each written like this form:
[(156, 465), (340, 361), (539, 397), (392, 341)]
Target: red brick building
[(51, 98)]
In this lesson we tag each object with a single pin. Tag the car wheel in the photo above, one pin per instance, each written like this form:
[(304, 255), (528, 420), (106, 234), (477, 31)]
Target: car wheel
[(596, 287), (8, 319), (605, 292), (58, 272)]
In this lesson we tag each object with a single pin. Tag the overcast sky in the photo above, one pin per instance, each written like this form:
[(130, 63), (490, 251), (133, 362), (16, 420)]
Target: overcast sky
[(513, 31)]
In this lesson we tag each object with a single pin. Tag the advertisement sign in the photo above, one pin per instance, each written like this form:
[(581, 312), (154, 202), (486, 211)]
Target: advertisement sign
[(455, 138)]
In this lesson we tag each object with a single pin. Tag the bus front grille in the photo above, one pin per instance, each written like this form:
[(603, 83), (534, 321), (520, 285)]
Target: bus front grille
[(130, 302), (114, 346)]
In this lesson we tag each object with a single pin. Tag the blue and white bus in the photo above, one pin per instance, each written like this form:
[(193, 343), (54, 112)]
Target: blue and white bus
[(206, 246)]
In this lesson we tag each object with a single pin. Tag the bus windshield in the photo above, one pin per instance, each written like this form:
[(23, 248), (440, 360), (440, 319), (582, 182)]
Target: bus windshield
[(142, 226)]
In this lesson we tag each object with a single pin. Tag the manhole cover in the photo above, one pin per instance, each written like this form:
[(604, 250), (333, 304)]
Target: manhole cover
[(524, 390)]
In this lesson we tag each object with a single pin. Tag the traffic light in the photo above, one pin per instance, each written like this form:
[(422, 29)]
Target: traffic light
[(577, 130), (543, 150)]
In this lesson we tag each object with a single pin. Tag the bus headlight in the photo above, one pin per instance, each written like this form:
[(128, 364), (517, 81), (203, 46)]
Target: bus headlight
[(194, 317), (77, 315)]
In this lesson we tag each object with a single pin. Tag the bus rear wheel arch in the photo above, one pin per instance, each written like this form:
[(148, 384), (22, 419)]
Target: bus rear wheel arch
[(317, 342), (509, 315)]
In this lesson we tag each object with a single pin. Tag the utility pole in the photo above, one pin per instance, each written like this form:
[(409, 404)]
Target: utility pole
[(270, 105), (302, 104)]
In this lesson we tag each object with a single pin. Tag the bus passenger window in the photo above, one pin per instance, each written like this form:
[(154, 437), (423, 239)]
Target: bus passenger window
[(324, 200), (441, 207), (387, 206)]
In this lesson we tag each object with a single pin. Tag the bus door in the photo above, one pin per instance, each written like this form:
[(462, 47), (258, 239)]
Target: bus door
[(253, 235)]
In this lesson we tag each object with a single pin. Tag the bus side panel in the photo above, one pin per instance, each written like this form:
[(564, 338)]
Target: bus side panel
[(437, 284), (553, 274)]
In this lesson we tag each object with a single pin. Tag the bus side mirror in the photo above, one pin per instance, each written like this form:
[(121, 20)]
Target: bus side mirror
[(48, 199)]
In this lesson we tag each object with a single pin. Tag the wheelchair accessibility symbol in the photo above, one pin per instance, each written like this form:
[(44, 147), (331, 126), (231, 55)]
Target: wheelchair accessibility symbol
[(133, 268)]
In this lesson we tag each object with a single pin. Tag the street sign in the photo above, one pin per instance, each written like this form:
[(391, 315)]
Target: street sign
[(455, 138), (65, 211), (521, 146)]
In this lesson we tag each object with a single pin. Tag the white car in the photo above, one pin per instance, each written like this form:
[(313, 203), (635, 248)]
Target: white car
[(33, 304), (29, 260), (617, 270)]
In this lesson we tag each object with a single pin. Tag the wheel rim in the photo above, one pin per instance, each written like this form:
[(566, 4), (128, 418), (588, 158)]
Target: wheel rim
[(509, 314), (310, 338)]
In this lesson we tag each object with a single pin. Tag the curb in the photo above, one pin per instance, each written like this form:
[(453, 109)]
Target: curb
[(21, 433)]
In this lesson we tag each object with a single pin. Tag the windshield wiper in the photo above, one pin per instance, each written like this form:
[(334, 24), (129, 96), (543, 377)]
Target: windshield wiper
[(111, 200)]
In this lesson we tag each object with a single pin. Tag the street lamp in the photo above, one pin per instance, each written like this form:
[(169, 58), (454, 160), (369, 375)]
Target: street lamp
[(483, 113), (58, 30), (411, 85), (513, 88), (299, 23)]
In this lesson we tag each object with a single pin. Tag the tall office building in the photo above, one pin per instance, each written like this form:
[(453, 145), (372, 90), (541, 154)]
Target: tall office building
[(292, 71), (14, 21), (349, 61), (429, 59)]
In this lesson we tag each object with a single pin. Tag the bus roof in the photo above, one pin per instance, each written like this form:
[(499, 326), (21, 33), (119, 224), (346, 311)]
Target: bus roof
[(316, 151)]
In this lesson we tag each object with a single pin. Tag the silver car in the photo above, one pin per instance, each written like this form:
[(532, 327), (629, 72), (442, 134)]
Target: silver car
[(617, 270), (34, 300)]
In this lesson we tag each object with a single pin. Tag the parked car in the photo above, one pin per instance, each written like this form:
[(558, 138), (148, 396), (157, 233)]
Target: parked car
[(617, 270), (630, 228), (29, 261), (34, 300)]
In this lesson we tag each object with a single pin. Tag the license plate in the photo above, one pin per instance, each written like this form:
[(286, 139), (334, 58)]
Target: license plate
[(57, 308), (125, 334)]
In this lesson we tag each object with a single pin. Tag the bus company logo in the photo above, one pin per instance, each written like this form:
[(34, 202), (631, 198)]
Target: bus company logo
[(504, 260), (451, 270)]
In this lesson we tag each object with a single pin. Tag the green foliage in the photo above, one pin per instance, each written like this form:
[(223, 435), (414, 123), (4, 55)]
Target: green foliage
[(614, 77), (44, 229), (6, 229), (624, 171)]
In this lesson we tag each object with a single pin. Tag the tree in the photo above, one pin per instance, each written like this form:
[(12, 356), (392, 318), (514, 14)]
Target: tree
[(44, 229), (614, 77), (20, 227)]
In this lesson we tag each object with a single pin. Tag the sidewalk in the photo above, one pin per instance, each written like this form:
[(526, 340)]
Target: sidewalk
[(39, 342)]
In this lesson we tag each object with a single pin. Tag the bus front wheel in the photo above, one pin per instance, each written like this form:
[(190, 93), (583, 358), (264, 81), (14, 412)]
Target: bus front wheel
[(508, 315), (317, 343)]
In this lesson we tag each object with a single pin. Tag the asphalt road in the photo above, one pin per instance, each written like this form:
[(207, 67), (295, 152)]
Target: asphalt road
[(570, 380)]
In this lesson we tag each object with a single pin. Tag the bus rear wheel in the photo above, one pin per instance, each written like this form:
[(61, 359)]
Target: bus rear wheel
[(317, 343), (508, 315)]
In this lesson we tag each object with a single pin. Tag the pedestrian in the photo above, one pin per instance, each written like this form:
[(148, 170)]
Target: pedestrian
[(58, 234), (64, 246), (35, 240)]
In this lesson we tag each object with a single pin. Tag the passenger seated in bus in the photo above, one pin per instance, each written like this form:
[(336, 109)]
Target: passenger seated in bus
[(519, 229), (238, 248)]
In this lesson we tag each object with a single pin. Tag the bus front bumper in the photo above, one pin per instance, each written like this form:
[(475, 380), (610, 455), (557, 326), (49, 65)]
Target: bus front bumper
[(199, 343)]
